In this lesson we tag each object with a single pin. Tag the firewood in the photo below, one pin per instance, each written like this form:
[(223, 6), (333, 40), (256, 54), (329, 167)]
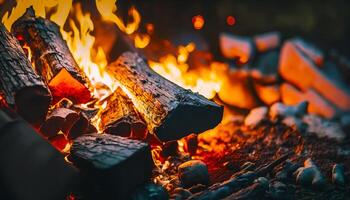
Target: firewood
[(61, 119), (237, 47), (267, 41), (121, 118), (82, 126), (118, 165), (298, 69), (53, 60), (317, 104), (31, 168), (20, 87), (170, 111)]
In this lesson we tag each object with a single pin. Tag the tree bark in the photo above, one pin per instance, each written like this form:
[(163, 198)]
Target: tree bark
[(121, 118), (52, 57), (20, 86), (170, 111)]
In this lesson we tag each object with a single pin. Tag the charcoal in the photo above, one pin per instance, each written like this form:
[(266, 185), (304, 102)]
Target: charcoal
[(116, 164), (32, 168)]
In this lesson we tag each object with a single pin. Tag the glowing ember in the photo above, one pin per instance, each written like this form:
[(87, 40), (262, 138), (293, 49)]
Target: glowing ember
[(198, 22), (231, 20)]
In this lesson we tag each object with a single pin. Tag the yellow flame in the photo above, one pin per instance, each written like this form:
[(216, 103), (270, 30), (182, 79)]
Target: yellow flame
[(107, 9), (142, 40), (81, 43), (176, 69), (21, 5)]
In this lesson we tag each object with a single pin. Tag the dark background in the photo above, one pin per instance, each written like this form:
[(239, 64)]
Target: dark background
[(325, 23)]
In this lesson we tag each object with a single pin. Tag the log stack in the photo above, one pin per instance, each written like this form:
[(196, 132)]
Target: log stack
[(170, 111), (20, 86), (53, 60)]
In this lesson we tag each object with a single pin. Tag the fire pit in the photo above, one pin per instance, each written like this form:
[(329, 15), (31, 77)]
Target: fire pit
[(98, 103)]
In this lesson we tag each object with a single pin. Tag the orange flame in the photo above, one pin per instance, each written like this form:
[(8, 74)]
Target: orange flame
[(176, 70)]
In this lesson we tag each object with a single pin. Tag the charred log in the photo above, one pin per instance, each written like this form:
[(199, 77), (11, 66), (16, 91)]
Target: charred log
[(53, 60), (61, 119), (121, 118), (116, 164), (44, 174), (170, 111), (20, 87)]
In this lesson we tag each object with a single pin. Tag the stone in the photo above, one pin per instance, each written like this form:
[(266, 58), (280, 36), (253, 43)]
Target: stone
[(338, 174), (310, 175), (150, 191), (278, 190), (193, 172), (280, 110), (256, 116)]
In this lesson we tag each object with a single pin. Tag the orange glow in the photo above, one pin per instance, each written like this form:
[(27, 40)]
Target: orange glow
[(150, 28), (198, 22), (230, 20), (176, 69), (142, 40)]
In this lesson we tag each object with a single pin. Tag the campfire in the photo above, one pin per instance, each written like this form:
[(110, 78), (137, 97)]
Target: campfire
[(94, 105)]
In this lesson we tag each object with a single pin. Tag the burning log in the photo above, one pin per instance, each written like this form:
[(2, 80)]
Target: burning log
[(61, 119), (116, 164), (44, 174), (315, 54), (20, 87), (267, 41), (170, 111), (298, 69), (53, 60), (121, 118), (236, 47), (317, 104)]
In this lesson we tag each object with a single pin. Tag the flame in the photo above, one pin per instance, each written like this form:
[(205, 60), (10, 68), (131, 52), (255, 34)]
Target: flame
[(81, 43), (107, 8), (176, 69)]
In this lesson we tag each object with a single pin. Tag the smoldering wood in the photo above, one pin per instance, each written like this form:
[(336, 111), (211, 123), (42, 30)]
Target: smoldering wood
[(121, 118), (60, 119), (118, 165), (31, 168), (81, 126), (20, 86), (170, 111), (52, 57)]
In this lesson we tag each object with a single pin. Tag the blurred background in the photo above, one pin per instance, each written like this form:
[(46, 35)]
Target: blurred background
[(325, 23)]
